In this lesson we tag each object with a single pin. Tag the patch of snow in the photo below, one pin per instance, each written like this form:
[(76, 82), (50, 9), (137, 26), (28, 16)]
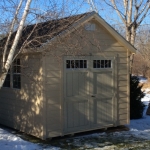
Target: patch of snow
[(142, 79), (141, 127), (146, 90), (9, 141)]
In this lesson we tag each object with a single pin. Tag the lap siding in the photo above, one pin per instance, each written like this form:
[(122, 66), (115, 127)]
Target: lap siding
[(123, 90), (53, 96), (22, 109)]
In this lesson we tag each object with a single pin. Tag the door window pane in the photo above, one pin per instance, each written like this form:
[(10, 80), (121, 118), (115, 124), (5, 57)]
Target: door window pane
[(77, 64), (67, 64), (101, 63)]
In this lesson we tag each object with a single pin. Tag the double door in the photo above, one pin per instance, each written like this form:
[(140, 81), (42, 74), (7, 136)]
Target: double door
[(88, 93)]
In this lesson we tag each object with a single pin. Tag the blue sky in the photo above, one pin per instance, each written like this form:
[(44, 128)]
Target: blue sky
[(69, 7)]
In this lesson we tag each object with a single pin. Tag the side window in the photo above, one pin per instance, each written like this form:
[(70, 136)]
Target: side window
[(13, 77), (7, 80), (16, 73), (102, 64), (76, 64)]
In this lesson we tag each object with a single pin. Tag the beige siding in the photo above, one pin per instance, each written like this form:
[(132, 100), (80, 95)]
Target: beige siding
[(100, 43), (23, 108), (123, 85), (52, 90)]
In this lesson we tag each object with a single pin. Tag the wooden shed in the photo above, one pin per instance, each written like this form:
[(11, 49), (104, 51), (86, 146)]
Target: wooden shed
[(75, 81)]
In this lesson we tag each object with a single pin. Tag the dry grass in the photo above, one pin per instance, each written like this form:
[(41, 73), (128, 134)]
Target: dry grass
[(146, 85)]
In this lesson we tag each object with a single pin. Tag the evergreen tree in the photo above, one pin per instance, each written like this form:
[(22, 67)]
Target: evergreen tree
[(136, 105)]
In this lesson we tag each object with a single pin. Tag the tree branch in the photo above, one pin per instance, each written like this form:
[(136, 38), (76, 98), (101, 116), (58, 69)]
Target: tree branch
[(121, 15), (144, 15), (147, 7), (129, 18), (18, 34), (125, 2), (10, 32)]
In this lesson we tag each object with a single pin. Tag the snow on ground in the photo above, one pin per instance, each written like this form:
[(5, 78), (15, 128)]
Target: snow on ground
[(12, 142), (9, 141), (142, 79), (139, 128)]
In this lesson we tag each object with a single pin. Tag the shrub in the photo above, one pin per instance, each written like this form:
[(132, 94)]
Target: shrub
[(136, 105)]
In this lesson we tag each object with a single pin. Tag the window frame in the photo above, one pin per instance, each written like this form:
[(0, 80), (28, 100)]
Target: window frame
[(16, 74), (110, 64), (85, 65), (13, 73)]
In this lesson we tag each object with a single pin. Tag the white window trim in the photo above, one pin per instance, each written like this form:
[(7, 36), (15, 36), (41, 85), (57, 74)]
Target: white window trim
[(104, 67), (16, 73), (11, 76), (79, 63)]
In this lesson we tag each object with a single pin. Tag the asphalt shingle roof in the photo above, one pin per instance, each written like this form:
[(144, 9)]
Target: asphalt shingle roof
[(37, 34)]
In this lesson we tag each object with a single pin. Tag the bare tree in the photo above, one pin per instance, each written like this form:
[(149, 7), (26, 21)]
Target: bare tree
[(143, 46), (131, 13), (7, 59), (143, 42), (140, 65)]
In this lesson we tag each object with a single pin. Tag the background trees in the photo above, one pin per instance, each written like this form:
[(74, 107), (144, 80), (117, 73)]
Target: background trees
[(130, 13), (141, 66)]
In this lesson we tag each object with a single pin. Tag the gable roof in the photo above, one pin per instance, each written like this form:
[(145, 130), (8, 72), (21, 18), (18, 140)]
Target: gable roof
[(37, 34)]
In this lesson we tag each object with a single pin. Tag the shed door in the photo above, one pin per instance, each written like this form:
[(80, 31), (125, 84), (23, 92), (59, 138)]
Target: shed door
[(88, 93), (102, 91), (76, 93)]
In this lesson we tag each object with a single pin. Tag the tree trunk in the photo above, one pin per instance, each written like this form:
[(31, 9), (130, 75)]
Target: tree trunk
[(14, 45), (2, 79), (133, 35), (128, 34)]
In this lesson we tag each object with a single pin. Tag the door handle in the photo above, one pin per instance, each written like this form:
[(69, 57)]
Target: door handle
[(92, 96)]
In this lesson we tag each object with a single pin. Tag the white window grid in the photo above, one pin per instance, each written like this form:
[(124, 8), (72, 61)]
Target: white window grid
[(76, 64), (102, 63), (16, 72)]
